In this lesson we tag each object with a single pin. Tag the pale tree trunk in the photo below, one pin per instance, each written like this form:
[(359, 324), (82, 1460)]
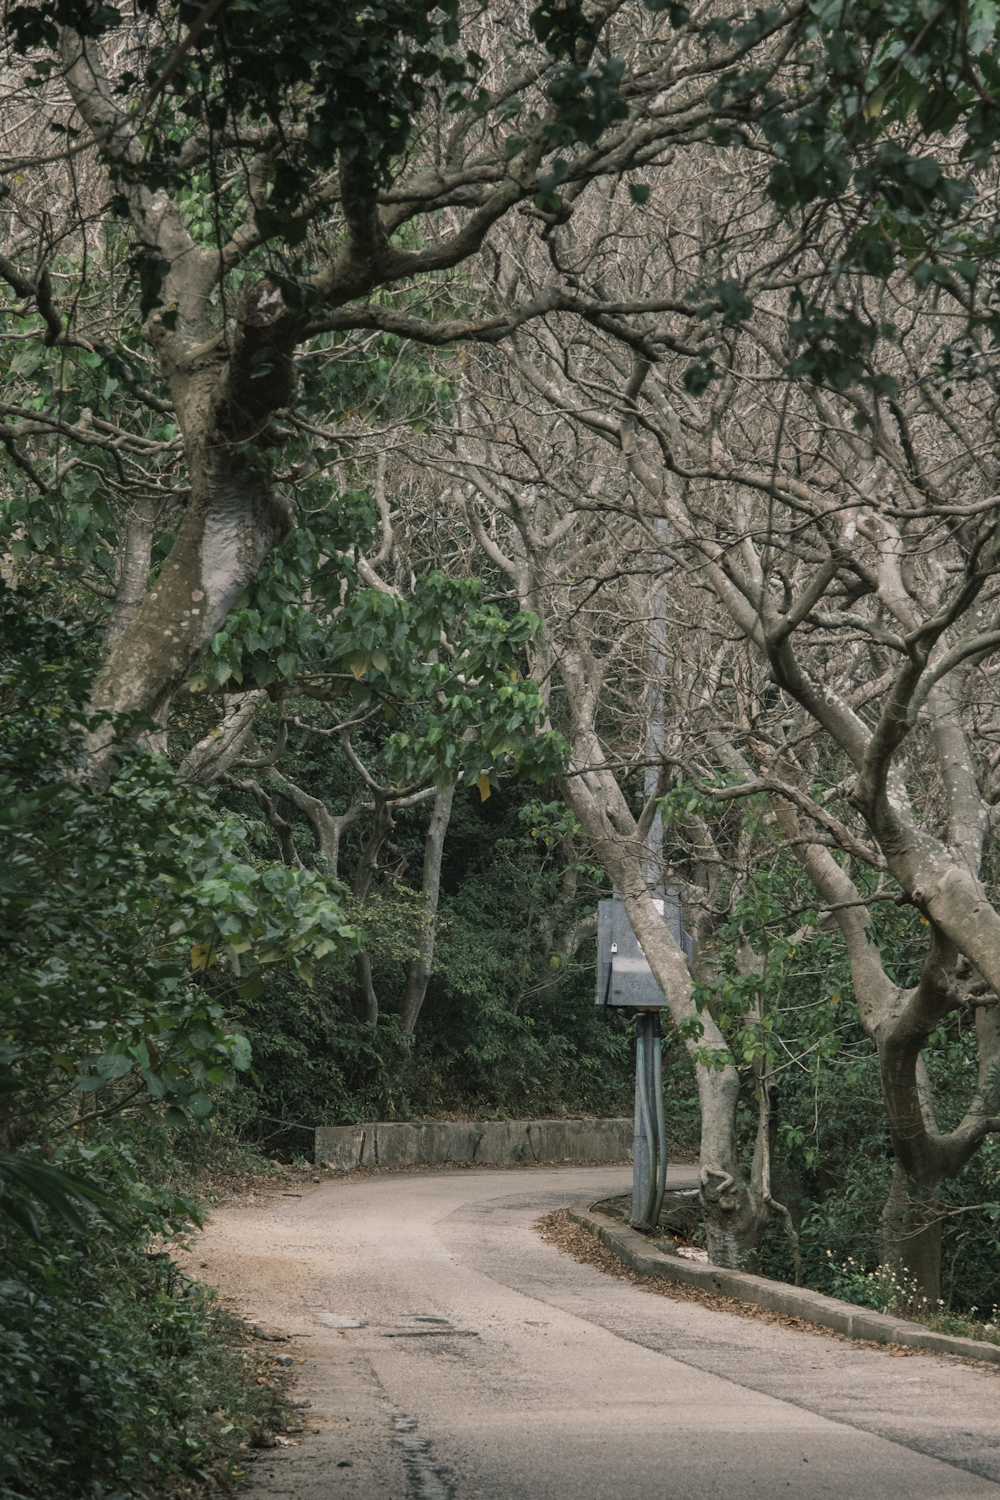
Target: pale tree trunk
[(328, 827), (233, 517), (912, 1219), (363, 970), (734, 1210), (281, 826), (547, 549), (941, 877), (759, 1186), (135, 556), (900, 1022), (910, 1240), (939, 874), (231, 523), (227, 382), (763, 1158), (419, 973), (220, 755), (134, 562), (868, 591), (222, 748)]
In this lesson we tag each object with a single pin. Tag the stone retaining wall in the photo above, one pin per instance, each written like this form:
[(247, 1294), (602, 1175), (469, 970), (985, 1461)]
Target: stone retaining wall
[(490, 1142)]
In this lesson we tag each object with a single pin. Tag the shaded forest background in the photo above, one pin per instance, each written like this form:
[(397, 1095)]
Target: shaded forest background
[(432, 460)]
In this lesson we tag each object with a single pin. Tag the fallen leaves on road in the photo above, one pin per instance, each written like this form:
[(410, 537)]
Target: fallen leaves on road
[(568, 1237)]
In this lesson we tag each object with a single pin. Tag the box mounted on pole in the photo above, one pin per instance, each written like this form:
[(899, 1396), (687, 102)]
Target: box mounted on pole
[(623, 975), (624, 978)]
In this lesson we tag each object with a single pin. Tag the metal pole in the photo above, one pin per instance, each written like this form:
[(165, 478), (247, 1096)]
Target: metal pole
[(644, 1145), (661, 1122), (650, 1149)]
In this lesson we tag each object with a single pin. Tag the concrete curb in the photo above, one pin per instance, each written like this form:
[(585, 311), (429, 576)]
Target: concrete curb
[(487, 1142), (778, 1296)]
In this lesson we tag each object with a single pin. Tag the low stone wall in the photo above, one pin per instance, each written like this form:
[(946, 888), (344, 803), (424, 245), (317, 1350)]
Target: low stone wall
[(797, 1301), (489, 1142)]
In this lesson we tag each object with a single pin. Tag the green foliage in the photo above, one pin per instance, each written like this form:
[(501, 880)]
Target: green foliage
[(354, 89), (489, 1048), (474, 1055), (111, 908), (450, 661), (884, 1289), (53, 509), (878, 94), (118, 1375), (895, 82), (354, 93), (779, 984), (23, 1184), (502, 1031), (315, 1063), (880, 66), (110, 1362)]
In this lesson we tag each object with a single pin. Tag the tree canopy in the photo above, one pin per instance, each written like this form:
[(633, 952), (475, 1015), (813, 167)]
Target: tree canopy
[(370, 378)]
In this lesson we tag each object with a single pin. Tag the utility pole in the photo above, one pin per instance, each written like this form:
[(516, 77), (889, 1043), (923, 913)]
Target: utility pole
[(623, 975)]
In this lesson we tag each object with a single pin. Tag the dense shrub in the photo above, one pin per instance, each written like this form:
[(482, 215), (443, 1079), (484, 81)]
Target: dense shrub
[(508, 1028), (119, 1375), (315, 1063)]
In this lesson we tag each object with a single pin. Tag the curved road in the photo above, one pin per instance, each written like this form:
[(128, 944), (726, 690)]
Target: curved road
[(450, 1352)]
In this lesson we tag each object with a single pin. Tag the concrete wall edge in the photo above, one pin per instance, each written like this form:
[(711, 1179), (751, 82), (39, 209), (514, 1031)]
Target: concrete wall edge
[(777, 1296), (402, 1143)]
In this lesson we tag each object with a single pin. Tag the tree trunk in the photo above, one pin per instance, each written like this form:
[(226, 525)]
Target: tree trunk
[(231, 524), (910, 1227), (327, 826), (134, 562), (911, 1235), (419, 974), (282, 828), (384, 824), (924, 1156), (899, 1022), (363, 969), (735, 1213), (222, 748)]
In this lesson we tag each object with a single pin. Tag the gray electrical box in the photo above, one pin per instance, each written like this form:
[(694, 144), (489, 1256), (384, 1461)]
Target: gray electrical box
[(623, 975)]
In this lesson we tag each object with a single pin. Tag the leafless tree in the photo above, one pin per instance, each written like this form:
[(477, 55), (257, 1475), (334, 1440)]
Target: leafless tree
[(844, 529)]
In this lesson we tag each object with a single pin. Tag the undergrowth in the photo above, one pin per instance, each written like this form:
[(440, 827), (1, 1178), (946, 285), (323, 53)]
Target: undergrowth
[(892, 1290), (119, 1375)]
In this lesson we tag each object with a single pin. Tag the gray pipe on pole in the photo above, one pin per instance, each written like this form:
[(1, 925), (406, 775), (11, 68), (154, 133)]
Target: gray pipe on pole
[(644, 1166)]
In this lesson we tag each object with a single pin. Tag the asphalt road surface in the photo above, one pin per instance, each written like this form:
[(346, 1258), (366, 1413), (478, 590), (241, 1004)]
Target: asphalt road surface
[(450, 1352)]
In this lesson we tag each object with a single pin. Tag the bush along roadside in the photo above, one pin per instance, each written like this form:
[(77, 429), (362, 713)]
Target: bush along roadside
[(888, 1289), (119, 1375)]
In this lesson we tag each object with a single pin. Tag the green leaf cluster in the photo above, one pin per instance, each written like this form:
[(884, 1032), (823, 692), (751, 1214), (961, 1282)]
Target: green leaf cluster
[(111, 907), (442, 658), (119, 1375)]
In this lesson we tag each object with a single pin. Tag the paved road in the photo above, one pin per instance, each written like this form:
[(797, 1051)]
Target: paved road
[(490, 1364)]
